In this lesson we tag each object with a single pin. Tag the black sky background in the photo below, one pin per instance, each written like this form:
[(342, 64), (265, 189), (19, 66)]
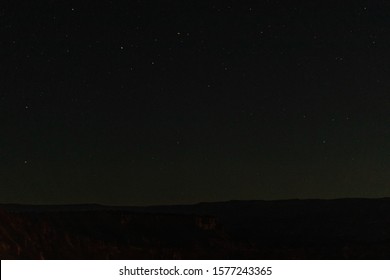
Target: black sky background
[(161, 102)]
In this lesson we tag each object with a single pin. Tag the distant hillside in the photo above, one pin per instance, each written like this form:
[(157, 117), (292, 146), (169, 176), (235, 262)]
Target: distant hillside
[(288, 229)]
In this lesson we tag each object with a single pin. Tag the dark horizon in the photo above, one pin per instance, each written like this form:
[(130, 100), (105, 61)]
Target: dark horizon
[(293, 229), (166, 102), (8, 204)]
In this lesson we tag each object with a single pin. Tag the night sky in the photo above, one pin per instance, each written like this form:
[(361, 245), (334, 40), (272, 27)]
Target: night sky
[(165, 102)]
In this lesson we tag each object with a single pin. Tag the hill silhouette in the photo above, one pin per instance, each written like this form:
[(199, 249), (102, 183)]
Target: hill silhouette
[(285, 229)]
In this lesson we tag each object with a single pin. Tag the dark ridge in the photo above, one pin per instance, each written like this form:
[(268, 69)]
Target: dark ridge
[(287, 229)]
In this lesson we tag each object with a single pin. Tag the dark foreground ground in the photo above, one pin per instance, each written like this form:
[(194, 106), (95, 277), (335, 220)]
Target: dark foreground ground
[(289, 229)]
